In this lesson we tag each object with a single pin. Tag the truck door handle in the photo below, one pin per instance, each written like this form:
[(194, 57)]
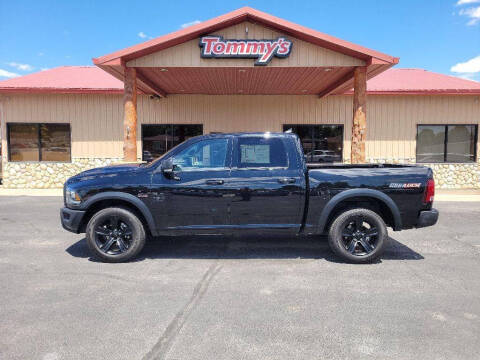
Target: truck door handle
[(214, 182), (286, 180)]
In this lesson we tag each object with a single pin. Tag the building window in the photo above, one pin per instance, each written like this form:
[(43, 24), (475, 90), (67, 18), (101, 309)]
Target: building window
[(39, 142), (158, 139), (446, 143), (321, 143)]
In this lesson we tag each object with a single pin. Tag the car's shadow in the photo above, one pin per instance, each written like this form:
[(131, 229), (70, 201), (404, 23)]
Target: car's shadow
[(246, 247)]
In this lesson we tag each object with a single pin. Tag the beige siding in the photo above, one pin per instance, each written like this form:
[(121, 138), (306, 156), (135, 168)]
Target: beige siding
[(302, 54), (96, 120), (392, 120), (229, 113)]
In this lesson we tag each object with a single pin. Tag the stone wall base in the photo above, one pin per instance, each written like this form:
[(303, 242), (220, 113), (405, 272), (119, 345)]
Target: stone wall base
[(46, 175), (457, 176), (447, 176)]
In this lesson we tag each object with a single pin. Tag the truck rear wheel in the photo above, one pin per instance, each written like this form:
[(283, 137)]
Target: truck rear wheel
[(358, 235), (115, 235)]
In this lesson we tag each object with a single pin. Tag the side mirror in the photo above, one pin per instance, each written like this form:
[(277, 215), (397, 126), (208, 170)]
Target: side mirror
[(167, 165), (168, 169)]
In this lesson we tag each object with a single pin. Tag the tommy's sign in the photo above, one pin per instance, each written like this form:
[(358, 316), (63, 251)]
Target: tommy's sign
[(262, 50)]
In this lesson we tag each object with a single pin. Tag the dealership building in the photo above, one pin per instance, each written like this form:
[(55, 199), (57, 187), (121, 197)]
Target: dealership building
[(241, 72)]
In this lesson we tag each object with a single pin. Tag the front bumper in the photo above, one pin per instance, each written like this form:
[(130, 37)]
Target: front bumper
[(427, 218), (71, 219)]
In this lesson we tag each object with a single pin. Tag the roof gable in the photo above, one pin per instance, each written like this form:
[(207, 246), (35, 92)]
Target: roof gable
[(303, 53), (236, 17)]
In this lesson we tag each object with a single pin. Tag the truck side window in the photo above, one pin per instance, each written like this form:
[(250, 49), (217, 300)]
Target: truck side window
[(261, 152), (206, 154)]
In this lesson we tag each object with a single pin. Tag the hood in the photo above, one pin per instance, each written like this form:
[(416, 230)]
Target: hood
[(103, 172), (109, 170)]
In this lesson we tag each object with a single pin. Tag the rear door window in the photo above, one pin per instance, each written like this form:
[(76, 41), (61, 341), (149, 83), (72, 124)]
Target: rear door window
[(261, 152)]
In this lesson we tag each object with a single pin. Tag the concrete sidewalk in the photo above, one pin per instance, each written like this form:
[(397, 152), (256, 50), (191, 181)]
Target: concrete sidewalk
[(30, 192), (457, 195), (440, 194)]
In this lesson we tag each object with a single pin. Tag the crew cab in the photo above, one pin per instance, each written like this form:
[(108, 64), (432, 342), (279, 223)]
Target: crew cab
[(251, 183)]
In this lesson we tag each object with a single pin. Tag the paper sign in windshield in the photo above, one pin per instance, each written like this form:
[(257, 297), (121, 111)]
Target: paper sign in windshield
[(255, 154)]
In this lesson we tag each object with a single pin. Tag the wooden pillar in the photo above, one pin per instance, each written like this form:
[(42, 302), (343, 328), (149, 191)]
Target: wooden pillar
[(359, 126), (130, 115)]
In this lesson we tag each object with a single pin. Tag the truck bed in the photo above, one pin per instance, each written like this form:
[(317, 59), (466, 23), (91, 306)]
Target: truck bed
[(404, 184), (351, 166)]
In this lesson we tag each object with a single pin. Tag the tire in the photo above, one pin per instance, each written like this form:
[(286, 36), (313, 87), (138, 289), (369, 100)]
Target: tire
[(358, 235), (115, 235)]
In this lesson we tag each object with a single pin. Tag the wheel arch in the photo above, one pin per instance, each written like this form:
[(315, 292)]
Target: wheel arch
[(112, 199), (385, 207)]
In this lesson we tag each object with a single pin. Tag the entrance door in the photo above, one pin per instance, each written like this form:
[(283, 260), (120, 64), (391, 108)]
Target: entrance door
[(268, 184), (195, 197)]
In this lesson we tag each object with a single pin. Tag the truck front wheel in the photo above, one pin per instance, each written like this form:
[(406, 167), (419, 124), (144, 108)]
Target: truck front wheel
[(358, 235), (115, 235)]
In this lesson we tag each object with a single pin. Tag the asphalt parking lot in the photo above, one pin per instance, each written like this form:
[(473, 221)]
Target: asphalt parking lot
[(239, 297)]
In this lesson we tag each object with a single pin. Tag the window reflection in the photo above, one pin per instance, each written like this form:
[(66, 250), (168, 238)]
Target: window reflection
[(446, 143), (461, 143), (321, 143), (430, 143), (158, 139), (203, 154), (261, 152), (23, 142), (55, 142), (39, 142)]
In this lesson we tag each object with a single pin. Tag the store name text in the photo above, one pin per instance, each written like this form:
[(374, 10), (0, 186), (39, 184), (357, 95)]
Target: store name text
[(262, 50)]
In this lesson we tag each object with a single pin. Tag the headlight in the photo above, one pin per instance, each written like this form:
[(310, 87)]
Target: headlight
[(72, 198)]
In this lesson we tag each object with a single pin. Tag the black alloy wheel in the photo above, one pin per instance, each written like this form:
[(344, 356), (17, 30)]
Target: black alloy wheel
[(115, 234), (358, 235)]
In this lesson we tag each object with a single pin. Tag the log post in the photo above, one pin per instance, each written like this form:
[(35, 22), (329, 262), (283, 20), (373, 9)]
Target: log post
[(130, 115), (359, 126)]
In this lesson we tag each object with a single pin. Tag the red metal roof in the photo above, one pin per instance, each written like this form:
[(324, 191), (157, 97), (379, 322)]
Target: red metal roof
[(65, 79), (419, 81), (90, 79)]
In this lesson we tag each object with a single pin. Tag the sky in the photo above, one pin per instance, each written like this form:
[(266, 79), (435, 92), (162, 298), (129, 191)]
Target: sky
[(438, 35)]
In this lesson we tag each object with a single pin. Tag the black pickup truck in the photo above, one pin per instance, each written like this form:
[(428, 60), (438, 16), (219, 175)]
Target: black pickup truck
[(249, 182)]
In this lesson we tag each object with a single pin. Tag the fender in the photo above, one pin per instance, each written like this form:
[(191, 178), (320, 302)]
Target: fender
[(134, 201), (344, 195)]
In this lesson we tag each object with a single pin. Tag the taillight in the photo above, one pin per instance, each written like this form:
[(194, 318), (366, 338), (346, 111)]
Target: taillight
[(429, 191)]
